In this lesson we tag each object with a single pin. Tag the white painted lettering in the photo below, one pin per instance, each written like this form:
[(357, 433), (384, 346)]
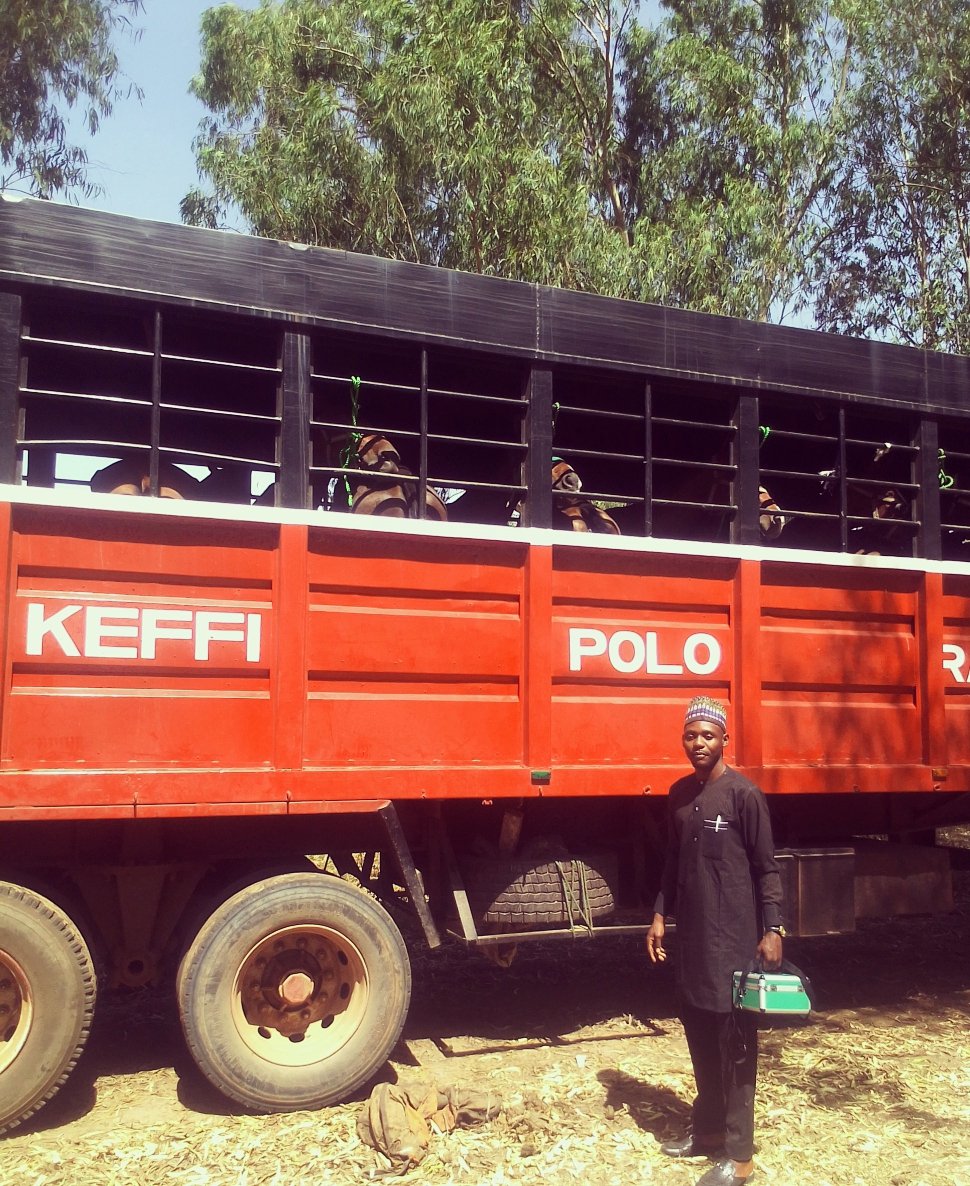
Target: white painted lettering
[(254, 636), (653, 664), (152, 629), (584, 642), (954, 658), (637, 657), (698, 642), (101, 627), (207, 630), (633, 653), (97, 628), (38, 626)]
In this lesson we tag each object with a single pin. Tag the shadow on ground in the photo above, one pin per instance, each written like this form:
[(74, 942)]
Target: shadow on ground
[(553, 994)]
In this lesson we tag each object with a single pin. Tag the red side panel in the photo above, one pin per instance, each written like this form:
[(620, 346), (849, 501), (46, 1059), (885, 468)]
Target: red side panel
[(414, 652), (840, 666), (634, 636), (172, 665), (138, 643)]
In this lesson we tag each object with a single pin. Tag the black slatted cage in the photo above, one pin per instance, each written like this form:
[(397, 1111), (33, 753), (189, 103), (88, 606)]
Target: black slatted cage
[(255, 374)]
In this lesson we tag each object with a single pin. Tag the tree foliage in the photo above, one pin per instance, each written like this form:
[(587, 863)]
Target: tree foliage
[(750, 157), (896, 260), (433, 131), (729, 196), (55, 55)]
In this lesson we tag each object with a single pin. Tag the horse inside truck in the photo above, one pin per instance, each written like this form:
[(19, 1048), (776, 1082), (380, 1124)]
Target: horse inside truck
[(349, 604)]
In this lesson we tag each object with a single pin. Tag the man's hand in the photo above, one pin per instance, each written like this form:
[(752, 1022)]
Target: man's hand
[(655, 940), (770, 950)]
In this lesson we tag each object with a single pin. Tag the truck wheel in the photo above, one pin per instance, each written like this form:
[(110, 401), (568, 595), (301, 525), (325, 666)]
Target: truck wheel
[(294, 992), (528, 894), (47, 992)]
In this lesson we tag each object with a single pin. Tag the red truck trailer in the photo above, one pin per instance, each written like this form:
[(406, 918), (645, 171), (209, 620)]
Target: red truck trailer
[(349, 604)]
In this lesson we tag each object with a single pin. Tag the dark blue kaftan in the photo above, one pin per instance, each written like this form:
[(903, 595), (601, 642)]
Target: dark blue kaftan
[(720, 882)]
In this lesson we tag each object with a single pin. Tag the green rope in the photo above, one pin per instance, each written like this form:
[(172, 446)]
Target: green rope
[(351, 448), (576, 909), (946, 480)]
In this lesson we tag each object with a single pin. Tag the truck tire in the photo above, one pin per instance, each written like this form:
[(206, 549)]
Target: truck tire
[(217, 886), (294, 992), (47, 993), (529, 894)]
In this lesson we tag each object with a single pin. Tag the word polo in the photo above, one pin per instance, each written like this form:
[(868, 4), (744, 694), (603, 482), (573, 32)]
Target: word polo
[(629, 651)]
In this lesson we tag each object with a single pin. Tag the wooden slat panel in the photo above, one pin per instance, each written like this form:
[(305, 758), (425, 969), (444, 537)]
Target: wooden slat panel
[(319, 286)]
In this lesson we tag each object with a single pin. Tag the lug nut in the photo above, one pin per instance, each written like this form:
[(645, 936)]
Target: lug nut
[(296, 989)]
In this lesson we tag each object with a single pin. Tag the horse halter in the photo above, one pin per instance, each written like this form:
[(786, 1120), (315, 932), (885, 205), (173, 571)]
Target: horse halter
[(376, 454), (565, 480)]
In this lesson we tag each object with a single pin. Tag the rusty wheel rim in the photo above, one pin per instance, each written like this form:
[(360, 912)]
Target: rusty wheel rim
[(16, 1009), (300, 995)]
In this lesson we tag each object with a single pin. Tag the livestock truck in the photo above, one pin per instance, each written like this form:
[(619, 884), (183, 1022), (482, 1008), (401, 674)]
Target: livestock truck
[(348, 604)]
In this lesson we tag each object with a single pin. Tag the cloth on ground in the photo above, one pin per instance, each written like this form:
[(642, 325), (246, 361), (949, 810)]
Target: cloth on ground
[(398, 1118)]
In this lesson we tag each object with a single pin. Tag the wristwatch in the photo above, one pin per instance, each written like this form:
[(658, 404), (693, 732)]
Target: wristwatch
[(779, 931)]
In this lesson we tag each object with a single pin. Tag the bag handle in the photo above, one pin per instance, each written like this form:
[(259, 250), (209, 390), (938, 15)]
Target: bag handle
[(756, 968)]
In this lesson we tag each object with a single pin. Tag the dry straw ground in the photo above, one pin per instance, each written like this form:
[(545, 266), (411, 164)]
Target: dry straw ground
[(584, 1049)]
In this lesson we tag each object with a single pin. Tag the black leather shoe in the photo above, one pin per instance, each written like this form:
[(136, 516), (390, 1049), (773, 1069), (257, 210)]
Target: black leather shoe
[(691, 1146), (725, 1173)]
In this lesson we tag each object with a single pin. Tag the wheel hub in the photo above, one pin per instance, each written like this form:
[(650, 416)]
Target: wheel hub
[(15, 1009), (288, 983), (297, 988), (11, 1001)]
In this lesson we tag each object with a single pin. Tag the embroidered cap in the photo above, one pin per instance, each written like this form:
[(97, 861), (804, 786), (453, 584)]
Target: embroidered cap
[(703, 708)]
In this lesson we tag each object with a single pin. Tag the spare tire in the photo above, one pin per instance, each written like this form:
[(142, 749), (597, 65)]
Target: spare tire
[(523, 894)]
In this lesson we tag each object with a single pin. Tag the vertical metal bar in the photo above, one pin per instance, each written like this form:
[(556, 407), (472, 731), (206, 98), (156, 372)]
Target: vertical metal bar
[(40, 471), (40, 461), (538, 460), (747, 688), (7, 578), (929, 540), (156, 422), (843, 486), (455, 884), (537, 649), (293, 488), (423, 444), (409, 874), (747, 474), (647, 459), (937, 745), (11, 311), (287, 659)]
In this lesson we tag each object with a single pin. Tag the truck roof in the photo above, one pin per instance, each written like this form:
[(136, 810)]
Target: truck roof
[(50, 243)]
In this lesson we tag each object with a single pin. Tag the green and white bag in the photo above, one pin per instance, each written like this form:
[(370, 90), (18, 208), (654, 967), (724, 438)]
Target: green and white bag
[(785, 993)]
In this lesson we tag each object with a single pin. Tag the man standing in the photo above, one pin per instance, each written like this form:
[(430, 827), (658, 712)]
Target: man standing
[(721, 882)]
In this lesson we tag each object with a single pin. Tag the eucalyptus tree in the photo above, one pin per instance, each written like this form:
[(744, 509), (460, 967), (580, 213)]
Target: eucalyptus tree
[(678, 156), (469, 133), (896, 261), (749, 120), (54, 56)]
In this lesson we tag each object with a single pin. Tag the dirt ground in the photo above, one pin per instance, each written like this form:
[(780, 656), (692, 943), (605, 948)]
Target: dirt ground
[(583, 1047)]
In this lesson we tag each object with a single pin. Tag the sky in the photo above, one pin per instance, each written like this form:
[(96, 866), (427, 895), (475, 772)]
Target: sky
[(142, 154)]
